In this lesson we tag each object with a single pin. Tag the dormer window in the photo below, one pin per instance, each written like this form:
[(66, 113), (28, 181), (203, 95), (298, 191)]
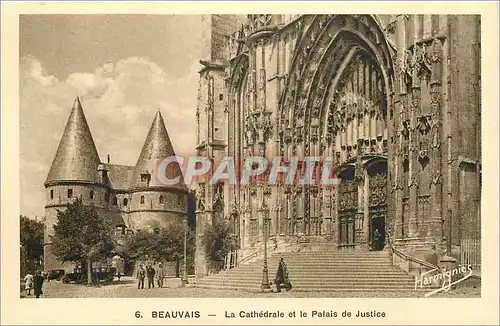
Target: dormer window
[(125, 201), (145, 178)]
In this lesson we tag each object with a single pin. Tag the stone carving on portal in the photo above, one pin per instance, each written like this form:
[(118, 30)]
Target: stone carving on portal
[(200, 195)]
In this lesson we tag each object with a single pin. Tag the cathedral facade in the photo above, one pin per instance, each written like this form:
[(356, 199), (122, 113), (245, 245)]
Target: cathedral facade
[(129, 196), (393, 100)]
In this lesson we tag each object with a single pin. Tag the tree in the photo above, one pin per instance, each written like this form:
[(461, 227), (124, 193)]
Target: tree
[(166, 244), (218, 241), (31, 236), (82, 235)]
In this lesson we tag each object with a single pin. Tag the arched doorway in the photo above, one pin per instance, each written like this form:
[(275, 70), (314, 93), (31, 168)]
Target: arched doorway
[(377, 203), (347, 207)]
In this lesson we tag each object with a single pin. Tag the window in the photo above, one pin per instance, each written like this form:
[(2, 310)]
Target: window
[(145, 178), (52, 194), (221, 97), (91, 195), (161, 199), (70, 193), (115, 201), (125, 201), (142, 200)]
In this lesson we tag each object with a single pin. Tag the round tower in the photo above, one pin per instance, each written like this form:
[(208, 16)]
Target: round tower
[(74, 173), (152, 204)]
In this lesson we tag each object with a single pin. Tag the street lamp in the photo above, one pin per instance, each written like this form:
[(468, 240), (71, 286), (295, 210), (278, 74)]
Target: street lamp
[(184, 279), (265, 286)]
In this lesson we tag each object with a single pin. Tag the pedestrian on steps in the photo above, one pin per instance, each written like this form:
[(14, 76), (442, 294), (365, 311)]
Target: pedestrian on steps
[(282, 280)]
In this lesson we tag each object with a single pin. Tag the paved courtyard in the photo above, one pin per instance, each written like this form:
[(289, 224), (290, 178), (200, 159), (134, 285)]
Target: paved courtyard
[(127, 288)]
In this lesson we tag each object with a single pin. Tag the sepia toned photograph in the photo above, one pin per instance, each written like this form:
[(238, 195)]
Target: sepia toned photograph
[(250, 156)]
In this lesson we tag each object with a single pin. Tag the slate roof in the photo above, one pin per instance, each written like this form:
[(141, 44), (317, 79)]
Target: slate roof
[(156, 148), (76, 157)]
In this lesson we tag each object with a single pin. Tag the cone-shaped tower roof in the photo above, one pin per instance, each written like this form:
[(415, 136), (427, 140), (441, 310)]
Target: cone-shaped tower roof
[(76, 157), (155, 150)]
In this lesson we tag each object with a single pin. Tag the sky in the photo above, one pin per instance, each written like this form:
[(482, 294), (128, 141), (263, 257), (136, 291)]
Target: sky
[(123, 67)]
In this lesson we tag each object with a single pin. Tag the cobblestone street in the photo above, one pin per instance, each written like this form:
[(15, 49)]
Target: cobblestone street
[(127, 288)]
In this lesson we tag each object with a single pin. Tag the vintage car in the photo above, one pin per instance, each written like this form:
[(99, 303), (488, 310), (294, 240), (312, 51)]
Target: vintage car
[(98, 275), (55, 274)]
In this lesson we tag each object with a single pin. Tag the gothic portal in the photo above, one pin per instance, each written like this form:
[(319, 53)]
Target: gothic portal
[(393, 100)]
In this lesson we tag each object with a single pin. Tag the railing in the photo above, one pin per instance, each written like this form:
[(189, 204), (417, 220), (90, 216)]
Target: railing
[(407, 260), (256, 253), (470, 253)]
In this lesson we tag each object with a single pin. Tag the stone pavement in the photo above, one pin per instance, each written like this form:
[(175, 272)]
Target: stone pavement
[(127, 288)]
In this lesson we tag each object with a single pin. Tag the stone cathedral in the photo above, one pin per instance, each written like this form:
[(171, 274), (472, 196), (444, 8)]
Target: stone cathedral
[(395, 100)]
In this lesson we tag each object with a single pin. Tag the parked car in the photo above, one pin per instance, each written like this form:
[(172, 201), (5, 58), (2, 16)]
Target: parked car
[(55, 274), (98, 275)]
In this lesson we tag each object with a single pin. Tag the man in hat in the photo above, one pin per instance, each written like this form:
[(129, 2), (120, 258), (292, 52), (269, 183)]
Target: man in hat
[(282, 279), (141, 275), (38, 283), (150, 271), (162, 273)]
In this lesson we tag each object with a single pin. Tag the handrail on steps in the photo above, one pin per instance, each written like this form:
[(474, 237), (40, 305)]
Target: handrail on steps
[(256, 253), (409, 258)]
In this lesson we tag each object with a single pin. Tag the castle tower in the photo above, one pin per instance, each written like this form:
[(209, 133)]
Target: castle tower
[(73, 173), (153, 204)]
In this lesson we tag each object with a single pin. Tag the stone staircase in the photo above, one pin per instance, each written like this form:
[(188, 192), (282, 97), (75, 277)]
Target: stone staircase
[(325, 271)]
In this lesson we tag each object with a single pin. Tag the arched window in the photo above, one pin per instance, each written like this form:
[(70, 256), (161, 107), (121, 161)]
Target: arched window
[(91, 194), (142, 200), (161, 199), (115, 201), (125, 201)]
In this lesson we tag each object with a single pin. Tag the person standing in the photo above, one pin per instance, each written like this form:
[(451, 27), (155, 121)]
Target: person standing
[(282, 279), (141, 275), (28, 280), (161, 275), (38, 284), (376, 239), (151, 277)]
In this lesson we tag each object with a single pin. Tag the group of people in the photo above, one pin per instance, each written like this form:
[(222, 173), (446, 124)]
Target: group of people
[(35, 283), (152, 275)]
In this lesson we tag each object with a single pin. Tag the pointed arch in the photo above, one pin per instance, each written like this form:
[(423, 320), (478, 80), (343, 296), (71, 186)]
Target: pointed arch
[(321, 57)]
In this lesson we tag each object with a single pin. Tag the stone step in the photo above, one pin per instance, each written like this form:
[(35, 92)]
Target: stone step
[(315, 278), (319, 271), (313, 287), (324, 271), (364, 278), (332, 267), (314, 284)]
